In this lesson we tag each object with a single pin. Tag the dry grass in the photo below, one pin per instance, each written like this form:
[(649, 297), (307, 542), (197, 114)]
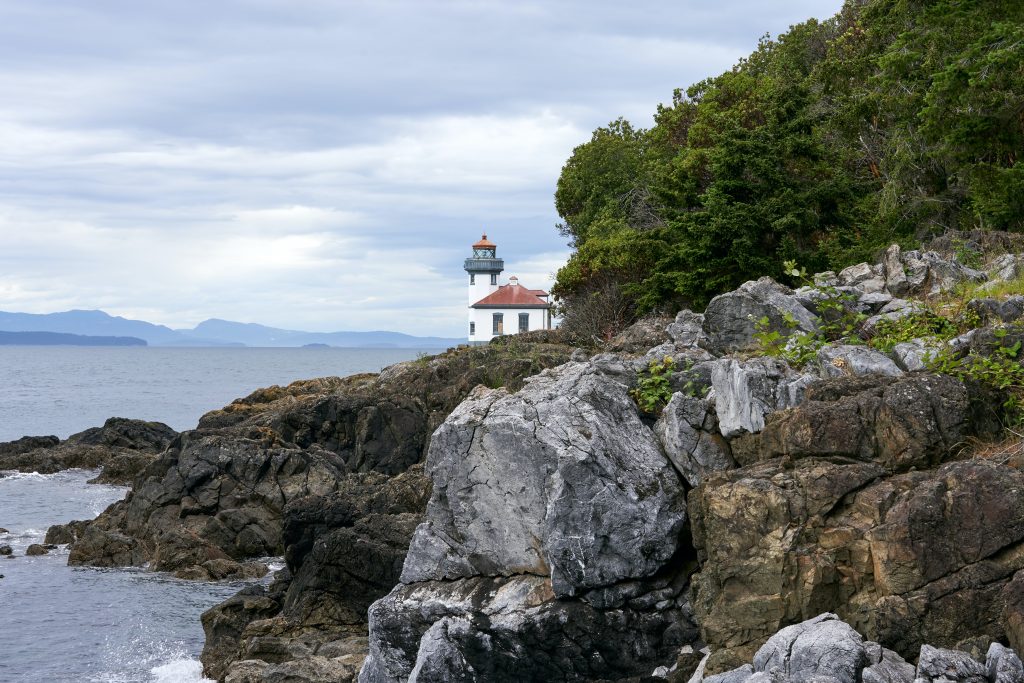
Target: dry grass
[(1009, 451)]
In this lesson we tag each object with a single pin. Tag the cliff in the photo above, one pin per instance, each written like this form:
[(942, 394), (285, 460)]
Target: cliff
[(820, 485)]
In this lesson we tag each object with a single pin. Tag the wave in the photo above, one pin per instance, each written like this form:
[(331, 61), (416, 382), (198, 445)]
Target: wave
[(179, 671)]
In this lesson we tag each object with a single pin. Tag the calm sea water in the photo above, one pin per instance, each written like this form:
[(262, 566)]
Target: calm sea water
[(62, 390), (59, 623)]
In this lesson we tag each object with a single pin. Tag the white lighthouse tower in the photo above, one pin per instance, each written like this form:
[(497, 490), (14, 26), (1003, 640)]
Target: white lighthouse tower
[(494, 309), (483, 267)]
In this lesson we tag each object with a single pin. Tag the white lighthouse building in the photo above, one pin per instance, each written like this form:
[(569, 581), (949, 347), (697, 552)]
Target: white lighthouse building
[(497, 309)]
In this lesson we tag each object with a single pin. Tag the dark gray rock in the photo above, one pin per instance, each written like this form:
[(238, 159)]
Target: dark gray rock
[(687, 329), (514, 629), (36, 549), (729, 320)]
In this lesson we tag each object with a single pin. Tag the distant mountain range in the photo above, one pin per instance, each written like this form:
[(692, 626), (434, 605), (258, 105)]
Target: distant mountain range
[(211, 332), (64, 339)]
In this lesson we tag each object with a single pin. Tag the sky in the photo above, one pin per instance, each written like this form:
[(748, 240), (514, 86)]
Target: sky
[(318, 164)]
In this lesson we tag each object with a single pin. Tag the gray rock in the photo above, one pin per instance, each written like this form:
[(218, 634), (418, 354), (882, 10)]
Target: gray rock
[(822, 646), (912, 355), (688, 431), (506, 630), (740, 675), (826, 279), (561, 479), (915, 270), (895, 278), (937, 664), (839, 360), (246, 671), (889, 668), (440, 658), (944, 275), (1005, 267), (1012, 309), (875, 300), (1003, 665), (687, 329), (6, 550), (747, 391), (856, 274), (729, 320)]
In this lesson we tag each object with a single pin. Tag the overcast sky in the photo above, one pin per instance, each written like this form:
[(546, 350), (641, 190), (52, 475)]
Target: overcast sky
[(317, 164)]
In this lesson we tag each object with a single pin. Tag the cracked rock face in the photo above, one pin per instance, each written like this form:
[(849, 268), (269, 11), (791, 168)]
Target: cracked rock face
[(746, 392), (561, 479), (903, 422), (921, 557), (512, 629)]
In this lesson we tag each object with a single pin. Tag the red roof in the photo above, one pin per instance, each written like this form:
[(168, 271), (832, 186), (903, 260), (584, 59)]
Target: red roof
[(484, 243), (511, 296), (538, 292)]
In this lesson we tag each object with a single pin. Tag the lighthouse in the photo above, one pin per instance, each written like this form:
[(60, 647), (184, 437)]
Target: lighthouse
[(498, 309)]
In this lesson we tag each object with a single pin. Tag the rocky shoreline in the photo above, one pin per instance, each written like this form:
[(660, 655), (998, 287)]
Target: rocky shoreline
[(798, 507)]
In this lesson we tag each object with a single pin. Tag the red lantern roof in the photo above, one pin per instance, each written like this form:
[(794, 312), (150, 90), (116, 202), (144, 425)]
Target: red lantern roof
[(485, 243)]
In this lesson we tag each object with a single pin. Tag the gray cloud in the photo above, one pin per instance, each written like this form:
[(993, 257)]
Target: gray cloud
[(316, 164)]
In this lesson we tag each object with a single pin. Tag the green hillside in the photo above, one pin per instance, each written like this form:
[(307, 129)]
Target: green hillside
[(893, 121)]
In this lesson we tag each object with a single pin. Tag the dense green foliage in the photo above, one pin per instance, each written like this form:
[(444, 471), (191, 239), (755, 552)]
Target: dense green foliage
[(890, 122)]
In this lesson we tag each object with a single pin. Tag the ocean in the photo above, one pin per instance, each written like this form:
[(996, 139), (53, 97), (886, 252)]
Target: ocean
[(60, 623)]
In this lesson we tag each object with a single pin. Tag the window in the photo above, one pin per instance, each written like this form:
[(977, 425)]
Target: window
[(494, 278), (499, 325), (524, 322), (472, 329), (472, 278)]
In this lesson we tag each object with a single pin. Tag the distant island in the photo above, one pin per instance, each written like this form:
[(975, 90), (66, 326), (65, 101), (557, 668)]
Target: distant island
[(212, 332), (65, 339)]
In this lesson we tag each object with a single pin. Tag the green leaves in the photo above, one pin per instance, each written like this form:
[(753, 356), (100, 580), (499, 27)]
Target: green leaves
[(889, 122), (653, 388)]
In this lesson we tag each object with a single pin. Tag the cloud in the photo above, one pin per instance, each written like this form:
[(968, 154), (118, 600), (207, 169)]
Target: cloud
[(314, 164)]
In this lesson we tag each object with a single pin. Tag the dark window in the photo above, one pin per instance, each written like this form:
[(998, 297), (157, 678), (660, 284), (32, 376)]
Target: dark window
[(472, 279), (499, 325), (472, 329), (524, 322), (494, 278)]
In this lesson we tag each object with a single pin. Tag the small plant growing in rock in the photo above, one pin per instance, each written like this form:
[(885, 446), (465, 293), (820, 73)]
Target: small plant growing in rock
[(797, 348), (1001, 370), (654, 386), (888, 333)]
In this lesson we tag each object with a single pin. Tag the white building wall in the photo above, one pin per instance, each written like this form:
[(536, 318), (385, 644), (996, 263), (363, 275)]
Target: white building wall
[(480, 286), (484, 321)]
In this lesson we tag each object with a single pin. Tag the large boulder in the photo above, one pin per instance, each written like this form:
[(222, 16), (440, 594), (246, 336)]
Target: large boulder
[(553, 546), (730, 319), (561, 479)]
